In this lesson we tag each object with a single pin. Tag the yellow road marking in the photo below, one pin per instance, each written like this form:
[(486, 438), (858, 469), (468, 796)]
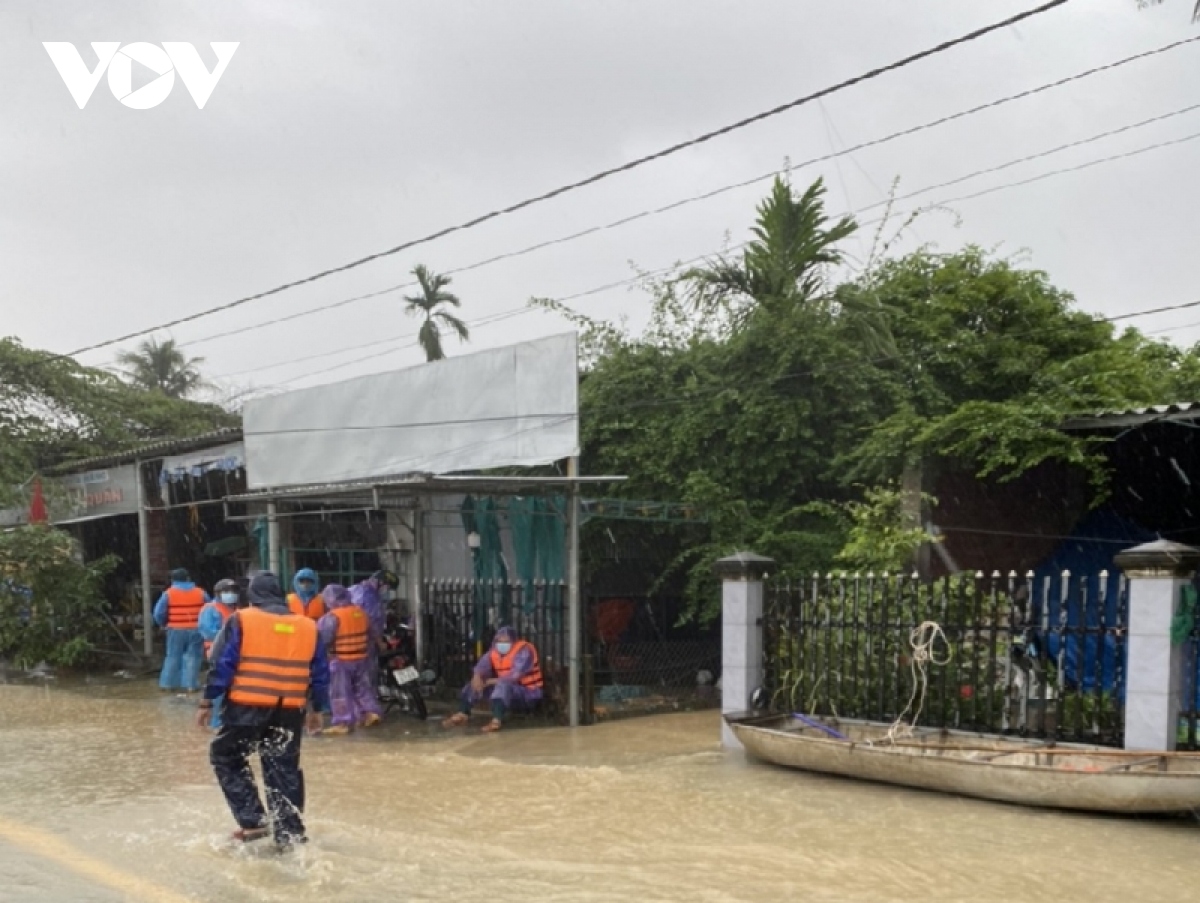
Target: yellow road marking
[(50, 846)]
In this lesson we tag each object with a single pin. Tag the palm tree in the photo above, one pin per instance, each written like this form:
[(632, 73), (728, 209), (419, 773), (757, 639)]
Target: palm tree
[(161, 367), (784, 268), (784, 263), (428, 304), (1195, 10)]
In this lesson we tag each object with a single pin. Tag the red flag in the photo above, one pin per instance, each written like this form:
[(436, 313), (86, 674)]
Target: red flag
[(37, 505)]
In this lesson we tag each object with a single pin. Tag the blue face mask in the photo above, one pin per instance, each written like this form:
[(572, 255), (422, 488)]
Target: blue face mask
[(229, 598), (504, 648)]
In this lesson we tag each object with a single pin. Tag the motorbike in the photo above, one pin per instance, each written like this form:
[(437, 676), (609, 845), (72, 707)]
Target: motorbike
[(399, 683)]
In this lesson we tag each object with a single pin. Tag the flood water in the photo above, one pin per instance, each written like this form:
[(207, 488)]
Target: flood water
[(106, 794)]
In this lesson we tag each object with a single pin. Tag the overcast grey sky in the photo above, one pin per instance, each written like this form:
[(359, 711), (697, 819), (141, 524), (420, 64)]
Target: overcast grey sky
[(342, 129)]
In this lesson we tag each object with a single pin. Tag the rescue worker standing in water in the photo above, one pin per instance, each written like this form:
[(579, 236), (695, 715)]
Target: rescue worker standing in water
[(271, 667), (212, 618), (351, 642), (178, 612), (304, 600)]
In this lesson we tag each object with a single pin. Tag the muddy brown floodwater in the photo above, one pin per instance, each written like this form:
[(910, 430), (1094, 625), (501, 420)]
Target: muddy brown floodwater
[(106, 794)]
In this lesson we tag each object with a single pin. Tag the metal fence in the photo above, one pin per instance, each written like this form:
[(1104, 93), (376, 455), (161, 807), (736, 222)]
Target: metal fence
[(641, 661), (1036, 656), (635, 658), (460, 618)]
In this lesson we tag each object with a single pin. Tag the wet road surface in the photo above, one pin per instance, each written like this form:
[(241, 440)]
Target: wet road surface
[(107, 795)]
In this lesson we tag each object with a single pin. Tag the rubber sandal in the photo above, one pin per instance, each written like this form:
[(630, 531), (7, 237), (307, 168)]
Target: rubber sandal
[(491, 727), (458, 719), (249, 835), (371, 720), (337, 730)]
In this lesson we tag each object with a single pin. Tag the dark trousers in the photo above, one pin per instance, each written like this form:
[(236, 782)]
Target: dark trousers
[(276, 739)]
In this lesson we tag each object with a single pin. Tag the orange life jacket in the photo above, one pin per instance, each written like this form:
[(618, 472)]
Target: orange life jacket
[(183, 607), (276, 659), (315, 608), (226, 611), (350, 643), (503, 664)]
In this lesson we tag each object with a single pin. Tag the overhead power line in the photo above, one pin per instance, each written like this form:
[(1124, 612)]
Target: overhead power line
[(691, 397), (708, 195), (502, 315), (599, 176)]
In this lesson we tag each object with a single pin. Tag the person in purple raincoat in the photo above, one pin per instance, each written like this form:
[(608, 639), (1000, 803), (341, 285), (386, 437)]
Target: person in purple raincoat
[(371, 595), (349, 636), (508, 676)]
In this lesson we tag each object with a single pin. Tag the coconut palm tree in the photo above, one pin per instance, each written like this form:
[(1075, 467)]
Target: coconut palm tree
[(429, 305), (161, 367)]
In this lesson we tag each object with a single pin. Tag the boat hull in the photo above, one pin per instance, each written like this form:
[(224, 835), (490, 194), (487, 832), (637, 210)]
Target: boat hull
[(1087, 779)]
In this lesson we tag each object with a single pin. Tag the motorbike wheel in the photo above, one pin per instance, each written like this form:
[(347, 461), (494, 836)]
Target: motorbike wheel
[(416, 701)]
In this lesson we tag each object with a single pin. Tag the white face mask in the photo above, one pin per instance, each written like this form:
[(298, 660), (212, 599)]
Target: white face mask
[(229, 598)]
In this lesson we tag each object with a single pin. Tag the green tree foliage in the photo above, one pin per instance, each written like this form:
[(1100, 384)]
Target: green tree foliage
[(765, 392), (53, 409), (51, 605), (991, 358), (1142, 4), (877, 540), (162, 367), (429, 305)]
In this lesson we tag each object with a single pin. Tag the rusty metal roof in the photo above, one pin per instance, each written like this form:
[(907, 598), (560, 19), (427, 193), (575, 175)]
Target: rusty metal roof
[(151, 450)]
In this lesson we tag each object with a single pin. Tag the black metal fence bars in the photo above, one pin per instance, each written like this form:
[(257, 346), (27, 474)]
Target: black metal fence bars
[(1039, 656), (460, 618)]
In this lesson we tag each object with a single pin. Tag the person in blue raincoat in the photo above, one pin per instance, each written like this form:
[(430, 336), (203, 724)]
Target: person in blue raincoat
[(304, 598), (212, 618), (178, 612)]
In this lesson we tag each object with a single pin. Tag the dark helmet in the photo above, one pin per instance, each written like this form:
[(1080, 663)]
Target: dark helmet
[(387, 578), (226, 586)]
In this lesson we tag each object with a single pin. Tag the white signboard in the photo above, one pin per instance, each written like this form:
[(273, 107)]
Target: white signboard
[(512, 406)]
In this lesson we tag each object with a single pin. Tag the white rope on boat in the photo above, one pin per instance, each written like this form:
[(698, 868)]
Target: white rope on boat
[(922, 639)]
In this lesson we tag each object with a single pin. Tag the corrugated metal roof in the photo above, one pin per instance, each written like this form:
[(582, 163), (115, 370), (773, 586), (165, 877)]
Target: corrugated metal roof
[(423, 483), (1180, 410), (151, 450)]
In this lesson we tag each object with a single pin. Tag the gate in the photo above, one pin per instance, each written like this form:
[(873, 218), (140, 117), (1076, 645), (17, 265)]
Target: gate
[(1040, 657)]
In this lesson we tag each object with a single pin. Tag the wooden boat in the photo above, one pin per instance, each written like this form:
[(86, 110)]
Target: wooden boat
[(1006, 769)]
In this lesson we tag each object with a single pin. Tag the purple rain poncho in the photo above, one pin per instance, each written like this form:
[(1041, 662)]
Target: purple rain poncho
[(508, 693), (351, 683)]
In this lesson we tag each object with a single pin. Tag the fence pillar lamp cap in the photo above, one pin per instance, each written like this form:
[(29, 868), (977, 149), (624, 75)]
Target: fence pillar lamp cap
[(747, 566), (1161, 558)]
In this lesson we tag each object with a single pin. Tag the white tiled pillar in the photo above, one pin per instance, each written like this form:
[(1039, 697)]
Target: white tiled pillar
[(1157, 573), (741, 633)]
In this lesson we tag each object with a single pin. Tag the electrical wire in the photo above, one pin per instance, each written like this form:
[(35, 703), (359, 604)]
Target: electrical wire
[(692, 397), (675, 205), (595, 177), (634, 279)]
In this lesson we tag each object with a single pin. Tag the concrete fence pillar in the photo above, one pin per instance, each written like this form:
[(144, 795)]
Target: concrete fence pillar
[(1155, 666), (741, 633)]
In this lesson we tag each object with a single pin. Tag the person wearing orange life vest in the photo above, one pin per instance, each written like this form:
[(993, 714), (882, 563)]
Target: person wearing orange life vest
[(212, 618), (178, 612), (271, 668), (304, 599), (351, 640), (508, 676)]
